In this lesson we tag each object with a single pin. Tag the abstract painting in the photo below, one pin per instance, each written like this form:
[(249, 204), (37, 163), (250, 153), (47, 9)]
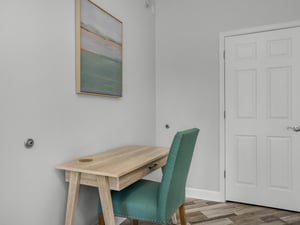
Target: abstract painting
[(98, 51)]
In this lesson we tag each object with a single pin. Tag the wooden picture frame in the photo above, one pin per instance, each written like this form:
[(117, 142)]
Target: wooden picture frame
[(98, 51)]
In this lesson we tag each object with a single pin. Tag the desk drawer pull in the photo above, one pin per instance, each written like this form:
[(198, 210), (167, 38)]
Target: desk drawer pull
[(85, 160), (152, 166)]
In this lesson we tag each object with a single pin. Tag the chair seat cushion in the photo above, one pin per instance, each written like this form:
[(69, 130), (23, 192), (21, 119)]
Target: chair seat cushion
[(138, 201)]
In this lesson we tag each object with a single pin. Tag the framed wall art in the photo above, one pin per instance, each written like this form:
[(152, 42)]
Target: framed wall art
[(98, 51)]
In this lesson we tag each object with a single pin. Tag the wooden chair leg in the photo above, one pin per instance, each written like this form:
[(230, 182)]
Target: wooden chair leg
[(182, 215), (101, 219), (135, 222)]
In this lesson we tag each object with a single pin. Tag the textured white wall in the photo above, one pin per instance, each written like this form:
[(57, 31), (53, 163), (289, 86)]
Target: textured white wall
[(38, 100), (187, 69)]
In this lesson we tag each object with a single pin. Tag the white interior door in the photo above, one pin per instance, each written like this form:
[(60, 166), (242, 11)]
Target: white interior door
[(262, 99)]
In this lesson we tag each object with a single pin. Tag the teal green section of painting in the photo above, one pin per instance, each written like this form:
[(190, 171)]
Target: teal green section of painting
[(100, 74)]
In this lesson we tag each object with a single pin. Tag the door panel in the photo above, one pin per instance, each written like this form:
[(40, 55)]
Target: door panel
[(246, 150), (262, 99), (278, 92), (279, 167), (246, 93)]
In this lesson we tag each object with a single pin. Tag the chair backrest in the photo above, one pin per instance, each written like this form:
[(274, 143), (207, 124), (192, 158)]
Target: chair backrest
[(172, 188)]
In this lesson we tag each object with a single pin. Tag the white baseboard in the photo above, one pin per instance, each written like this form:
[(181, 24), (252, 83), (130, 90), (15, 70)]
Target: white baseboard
[(205, 194)]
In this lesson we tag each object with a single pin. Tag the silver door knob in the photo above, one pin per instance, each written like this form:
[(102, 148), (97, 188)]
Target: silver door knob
[(295, 128)]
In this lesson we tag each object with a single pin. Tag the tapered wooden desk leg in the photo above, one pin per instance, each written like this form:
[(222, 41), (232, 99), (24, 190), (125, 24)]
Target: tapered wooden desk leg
[(74, 183), (106, 200), (182, 215)]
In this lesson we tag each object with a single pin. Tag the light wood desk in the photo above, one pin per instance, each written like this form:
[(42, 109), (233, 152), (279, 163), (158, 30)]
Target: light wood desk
[(111, 170)]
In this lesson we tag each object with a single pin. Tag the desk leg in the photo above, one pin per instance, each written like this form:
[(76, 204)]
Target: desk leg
[(72, 197), (106, 200)]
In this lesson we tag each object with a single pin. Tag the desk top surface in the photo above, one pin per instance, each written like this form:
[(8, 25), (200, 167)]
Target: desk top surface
[(116, 162)]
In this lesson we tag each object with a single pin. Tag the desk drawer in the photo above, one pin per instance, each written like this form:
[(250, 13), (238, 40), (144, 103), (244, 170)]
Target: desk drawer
[(125, 180), (130, 178)]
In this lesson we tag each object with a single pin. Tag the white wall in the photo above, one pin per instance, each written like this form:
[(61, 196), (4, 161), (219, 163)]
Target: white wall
[(38, 100), (37, 97), (187, 69)]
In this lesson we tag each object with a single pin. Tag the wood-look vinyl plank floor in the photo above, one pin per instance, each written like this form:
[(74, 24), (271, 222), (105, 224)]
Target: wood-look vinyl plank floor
[(202, 212)]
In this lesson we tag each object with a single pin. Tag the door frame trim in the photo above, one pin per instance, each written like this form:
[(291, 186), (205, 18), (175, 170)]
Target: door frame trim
[(222, 133)]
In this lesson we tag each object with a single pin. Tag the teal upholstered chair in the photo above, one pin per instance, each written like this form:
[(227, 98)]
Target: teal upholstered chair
[(157, 201)]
